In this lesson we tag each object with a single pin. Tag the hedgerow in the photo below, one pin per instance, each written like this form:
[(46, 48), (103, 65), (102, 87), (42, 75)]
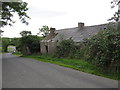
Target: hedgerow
[(103, 49), (67, 48)]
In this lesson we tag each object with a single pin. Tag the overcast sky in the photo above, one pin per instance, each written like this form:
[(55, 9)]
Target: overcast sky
[(62, 14)]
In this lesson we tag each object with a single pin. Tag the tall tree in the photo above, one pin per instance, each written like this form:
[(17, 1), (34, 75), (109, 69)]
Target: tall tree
[(45, 30), (29, 44), (8, 11)]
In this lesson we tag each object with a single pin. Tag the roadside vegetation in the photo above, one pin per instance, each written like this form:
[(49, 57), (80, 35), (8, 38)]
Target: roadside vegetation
[(28, 44), (103, 50), (80, 65), (98, 55), (5, 43)]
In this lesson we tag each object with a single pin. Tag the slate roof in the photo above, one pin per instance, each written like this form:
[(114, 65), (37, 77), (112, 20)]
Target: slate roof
[(76, 34)]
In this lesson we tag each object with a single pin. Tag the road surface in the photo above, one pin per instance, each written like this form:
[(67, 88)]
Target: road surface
[(19, 72)]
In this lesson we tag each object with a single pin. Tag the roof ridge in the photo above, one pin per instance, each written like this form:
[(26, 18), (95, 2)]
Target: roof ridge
[(84, 26), (66, 28)]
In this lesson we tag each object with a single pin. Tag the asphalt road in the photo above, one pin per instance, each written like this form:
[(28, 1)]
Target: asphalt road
[(21, 72)]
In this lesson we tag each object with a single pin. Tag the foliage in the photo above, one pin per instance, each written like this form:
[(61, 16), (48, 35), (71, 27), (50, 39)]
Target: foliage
[(16, 42), (103, 49), (67, 48), (117, 14), (45, 30), (80, 65), (11, 48), (25, 33), (8, 10), (1, 33), (30, 44), (5, 43)]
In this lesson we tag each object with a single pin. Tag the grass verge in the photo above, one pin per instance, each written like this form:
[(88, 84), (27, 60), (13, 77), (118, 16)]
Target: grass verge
[(17, 53), (80, 65)]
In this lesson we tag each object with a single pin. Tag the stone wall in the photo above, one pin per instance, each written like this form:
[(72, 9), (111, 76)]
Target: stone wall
[(48, 47)]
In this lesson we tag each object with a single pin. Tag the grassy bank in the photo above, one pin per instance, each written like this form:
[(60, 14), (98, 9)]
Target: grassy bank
[(80, 65)]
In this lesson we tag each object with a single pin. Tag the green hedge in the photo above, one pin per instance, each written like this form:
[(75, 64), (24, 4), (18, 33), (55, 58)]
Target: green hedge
[(103, 49), (67, 48)]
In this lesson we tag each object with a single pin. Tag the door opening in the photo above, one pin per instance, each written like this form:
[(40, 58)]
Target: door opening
[(46, 47)]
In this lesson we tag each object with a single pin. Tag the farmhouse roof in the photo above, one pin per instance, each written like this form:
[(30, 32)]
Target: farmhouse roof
[(77, 34)]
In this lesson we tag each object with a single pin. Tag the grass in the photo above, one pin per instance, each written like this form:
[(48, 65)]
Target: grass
[(80, 65), (9, 49), (17, 53)]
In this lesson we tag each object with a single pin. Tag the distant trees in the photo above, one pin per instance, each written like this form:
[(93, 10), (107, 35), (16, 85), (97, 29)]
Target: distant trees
[(27, 44), (25, 33), (5, 43), (9, 41), (16, 42)]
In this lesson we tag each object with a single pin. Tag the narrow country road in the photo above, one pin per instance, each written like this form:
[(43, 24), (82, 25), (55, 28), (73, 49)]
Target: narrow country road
[(19, 72)]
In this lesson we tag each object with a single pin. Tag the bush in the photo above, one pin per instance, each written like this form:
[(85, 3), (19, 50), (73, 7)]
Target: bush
[(103, 49), (5, 43), (29, 44), (66, 48)]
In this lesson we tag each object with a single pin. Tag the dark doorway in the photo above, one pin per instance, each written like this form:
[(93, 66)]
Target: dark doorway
[(46, 47)]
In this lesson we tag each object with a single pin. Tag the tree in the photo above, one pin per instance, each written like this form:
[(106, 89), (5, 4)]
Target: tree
[(5, 43), (1, 33), (15, 42), (23, 40), (8, 10), (28, 43), (116, 16), (25, 33), (45, 30)]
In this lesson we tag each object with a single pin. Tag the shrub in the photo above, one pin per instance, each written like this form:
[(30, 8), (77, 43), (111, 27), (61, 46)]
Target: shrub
[(103, 49), (30, 44), (66, 48)]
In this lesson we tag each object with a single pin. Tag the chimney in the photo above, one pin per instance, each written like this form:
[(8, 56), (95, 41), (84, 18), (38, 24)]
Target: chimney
[(52, 31), (80, 25)]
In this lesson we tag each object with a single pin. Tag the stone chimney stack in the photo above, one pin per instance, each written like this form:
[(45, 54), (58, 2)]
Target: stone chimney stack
[(80, 25), (52, 31)]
